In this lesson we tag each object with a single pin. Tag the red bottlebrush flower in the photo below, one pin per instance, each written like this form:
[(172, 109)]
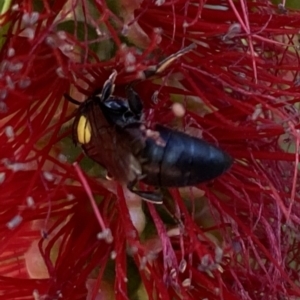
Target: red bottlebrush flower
[(233, 238)]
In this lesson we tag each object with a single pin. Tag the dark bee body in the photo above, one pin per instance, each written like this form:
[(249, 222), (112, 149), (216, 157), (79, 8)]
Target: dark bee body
[(111, 132), (114, 136), (183, 161)]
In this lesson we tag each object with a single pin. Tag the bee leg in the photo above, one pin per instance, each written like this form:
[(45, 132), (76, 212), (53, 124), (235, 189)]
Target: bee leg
[(155, 198), (134, 102)]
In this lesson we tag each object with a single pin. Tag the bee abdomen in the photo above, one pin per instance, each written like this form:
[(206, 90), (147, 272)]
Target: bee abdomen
[(183, 160)]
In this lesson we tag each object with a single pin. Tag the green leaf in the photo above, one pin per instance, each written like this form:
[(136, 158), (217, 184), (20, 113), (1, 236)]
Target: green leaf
[(292, 4), (4, 7)]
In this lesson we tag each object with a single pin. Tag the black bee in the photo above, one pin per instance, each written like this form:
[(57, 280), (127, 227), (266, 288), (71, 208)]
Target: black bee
[(111, 132)]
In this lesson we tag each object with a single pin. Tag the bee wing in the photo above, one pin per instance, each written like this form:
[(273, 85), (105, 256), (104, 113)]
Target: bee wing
[(108, 145)]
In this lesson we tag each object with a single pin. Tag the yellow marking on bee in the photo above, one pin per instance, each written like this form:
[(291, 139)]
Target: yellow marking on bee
[(84, 131)]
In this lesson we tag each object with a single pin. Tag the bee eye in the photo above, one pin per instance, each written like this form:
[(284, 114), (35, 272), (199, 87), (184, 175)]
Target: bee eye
[(84, 131)]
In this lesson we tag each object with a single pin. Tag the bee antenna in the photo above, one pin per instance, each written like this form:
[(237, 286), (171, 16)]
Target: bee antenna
[(72, 100), (163, 65), (109, 86)]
